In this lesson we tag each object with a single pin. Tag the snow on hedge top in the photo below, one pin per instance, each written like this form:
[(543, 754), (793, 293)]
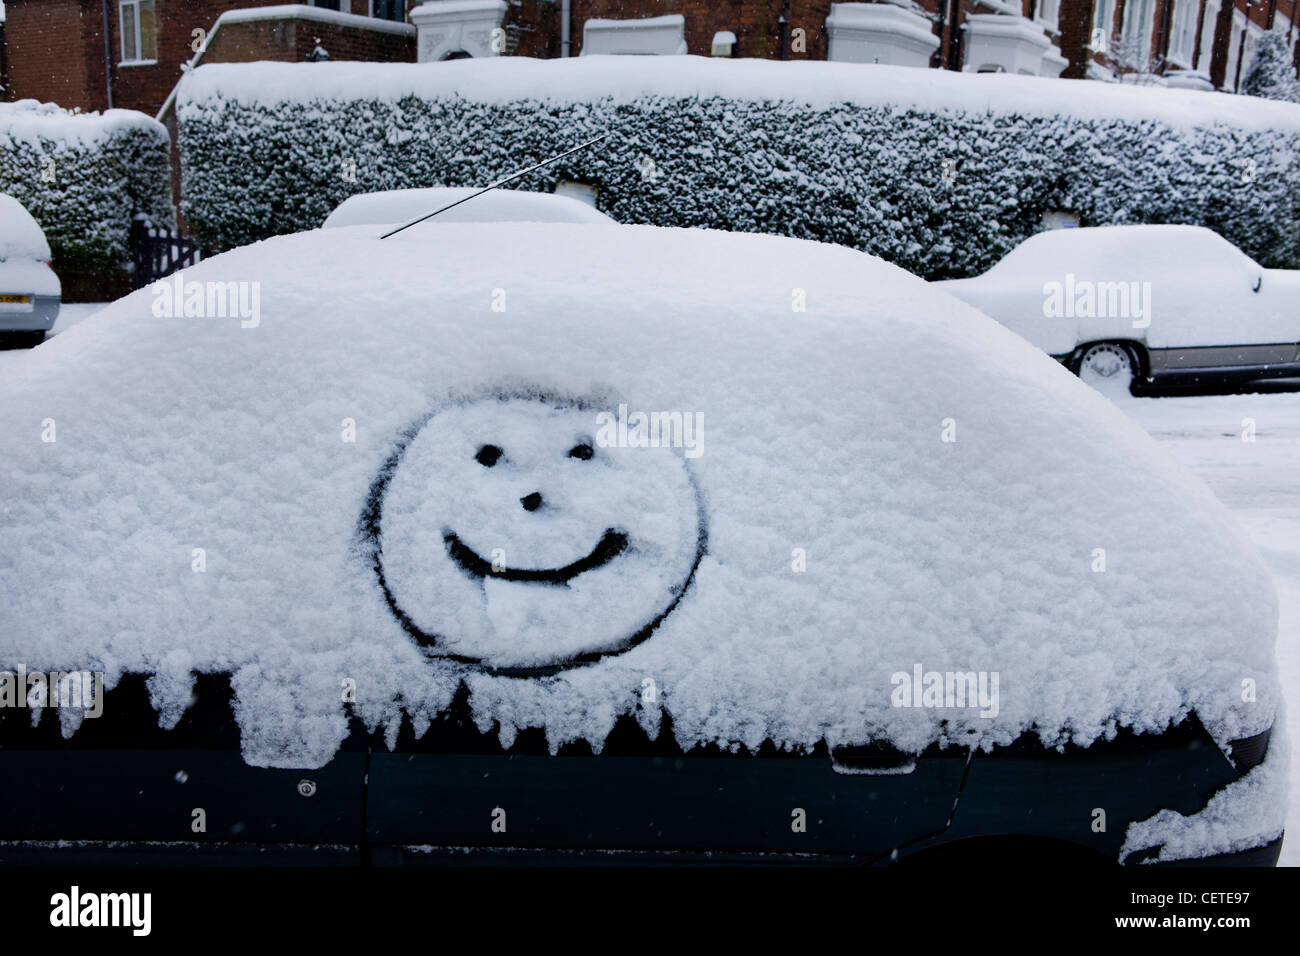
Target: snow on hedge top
[(768, 479), (34, 122), (394, 206), (21, 236), (815, 84)]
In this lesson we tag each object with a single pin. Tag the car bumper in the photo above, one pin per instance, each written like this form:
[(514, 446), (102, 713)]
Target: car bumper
[(1264, 855), (38, 316), (1102, 798)]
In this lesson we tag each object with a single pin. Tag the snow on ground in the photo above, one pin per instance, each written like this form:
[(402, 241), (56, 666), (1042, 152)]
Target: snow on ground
[(20, 236), (1259, 481), (70, 314), (74, 313)]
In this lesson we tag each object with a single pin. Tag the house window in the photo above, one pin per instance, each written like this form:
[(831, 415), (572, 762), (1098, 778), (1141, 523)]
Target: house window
[(1139, 22), (1234, 49), (394, 10), (332, 5), (1207, 35), (1182, 38), (139, 39), (1103, 25), (1048, 13), (1253, 33)]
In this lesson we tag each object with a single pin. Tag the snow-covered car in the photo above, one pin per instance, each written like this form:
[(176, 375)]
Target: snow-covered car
[(1126, 306), (620, 542), (395, 206), (30, 292)]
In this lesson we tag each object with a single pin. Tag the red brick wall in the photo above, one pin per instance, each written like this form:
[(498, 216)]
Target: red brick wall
[(56, 48), (293, 40), (533, 29), (55, 53), (1075, 22), (755, 22)]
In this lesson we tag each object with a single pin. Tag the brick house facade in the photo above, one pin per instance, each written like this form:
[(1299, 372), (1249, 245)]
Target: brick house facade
[(56, 49), (1191, 42), (91, 54)]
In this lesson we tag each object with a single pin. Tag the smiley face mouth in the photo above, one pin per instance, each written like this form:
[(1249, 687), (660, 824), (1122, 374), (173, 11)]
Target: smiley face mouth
[(611, 545)]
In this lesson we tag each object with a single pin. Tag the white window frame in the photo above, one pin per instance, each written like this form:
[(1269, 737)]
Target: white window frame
[(1234, 45), (1103, 19), (1212, 8), (1052, 22), (1141, 32), (1182, 33), (136, 33), (1253, 33)]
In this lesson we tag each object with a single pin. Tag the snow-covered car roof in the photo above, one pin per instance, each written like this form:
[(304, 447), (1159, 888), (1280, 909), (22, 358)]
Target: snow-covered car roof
[(21, 236), (415, 462), (1110, 250), (395, 206)]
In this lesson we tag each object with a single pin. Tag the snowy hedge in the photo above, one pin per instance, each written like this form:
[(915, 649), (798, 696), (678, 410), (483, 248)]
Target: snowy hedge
[(84, 176), (939, 172)]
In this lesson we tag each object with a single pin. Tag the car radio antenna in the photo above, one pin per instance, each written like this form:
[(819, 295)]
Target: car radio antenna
[(499, 182)]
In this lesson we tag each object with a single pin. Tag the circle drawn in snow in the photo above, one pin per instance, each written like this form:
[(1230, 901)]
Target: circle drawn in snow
[(504, 537)]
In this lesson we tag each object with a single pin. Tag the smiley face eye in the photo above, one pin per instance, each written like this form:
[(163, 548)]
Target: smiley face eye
[(582, 452), (488, 455)]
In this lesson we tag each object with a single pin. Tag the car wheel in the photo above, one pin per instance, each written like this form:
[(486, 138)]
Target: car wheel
[(1108, 367), (21, 340)]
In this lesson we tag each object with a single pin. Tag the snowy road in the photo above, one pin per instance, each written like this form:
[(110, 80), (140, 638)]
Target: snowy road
[(70, 314), (1258, 480)]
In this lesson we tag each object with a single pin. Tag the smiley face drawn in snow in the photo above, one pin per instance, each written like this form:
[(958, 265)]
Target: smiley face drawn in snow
[(504, 537)]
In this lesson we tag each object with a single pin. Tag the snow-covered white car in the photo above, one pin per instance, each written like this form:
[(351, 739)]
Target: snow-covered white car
[(1126, 306), (30, 292), (395, 206), (613, 540)]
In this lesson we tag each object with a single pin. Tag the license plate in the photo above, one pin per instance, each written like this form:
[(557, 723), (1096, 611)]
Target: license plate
[(15, 299)]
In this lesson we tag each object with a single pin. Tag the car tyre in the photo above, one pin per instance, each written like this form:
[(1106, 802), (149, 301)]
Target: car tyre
[(1109, 367), (21, 340)]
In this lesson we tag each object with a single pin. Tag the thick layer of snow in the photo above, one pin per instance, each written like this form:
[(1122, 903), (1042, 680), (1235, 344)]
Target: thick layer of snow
[(40, 123), (21, 236), (394, 206), (589, 78), (845, 540), (1169, 286), (28, 276), (1247, 813)]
